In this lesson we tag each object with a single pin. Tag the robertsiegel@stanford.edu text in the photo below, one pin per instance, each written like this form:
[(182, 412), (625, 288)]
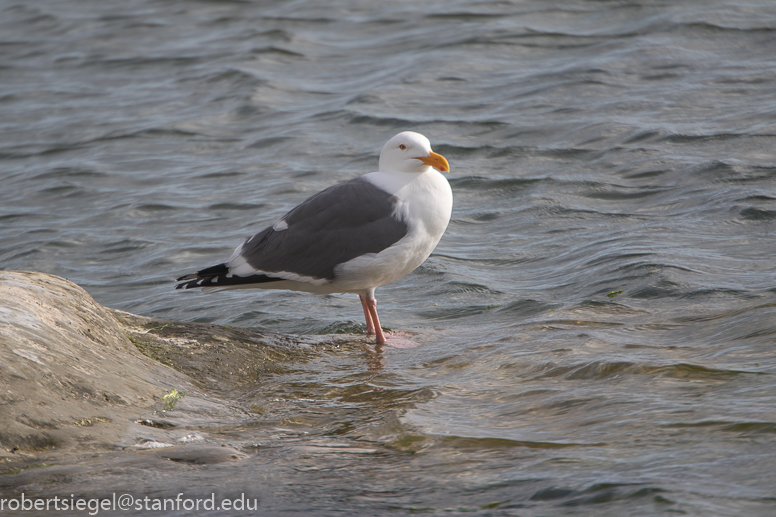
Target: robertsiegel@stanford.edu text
[(127, 503)]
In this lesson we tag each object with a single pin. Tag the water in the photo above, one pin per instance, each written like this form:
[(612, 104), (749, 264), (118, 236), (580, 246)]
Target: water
[(596, 327)]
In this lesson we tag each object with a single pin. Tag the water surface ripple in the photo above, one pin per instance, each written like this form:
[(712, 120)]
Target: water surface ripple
[(597, 325)]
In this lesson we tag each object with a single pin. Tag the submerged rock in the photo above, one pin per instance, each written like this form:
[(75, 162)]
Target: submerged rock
[(77, 377), (215, 358)]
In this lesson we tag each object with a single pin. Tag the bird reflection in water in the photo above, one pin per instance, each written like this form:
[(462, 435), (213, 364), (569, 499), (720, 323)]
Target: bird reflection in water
[(375, 357)]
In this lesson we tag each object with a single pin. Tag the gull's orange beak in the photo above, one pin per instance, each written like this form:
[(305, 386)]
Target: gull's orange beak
[(436, 161)]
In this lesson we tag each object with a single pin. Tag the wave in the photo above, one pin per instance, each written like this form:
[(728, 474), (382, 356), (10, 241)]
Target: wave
[(603, 370)]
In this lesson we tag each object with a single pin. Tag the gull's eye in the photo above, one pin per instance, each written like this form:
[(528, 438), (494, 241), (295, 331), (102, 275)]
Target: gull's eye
[(402, 147)]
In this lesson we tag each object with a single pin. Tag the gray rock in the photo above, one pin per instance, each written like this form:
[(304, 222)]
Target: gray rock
[(76, 377), (69, 376)]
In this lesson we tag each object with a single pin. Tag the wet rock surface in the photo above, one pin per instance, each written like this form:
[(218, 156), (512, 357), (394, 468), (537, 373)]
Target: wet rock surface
[(77, 378), (214, 357)]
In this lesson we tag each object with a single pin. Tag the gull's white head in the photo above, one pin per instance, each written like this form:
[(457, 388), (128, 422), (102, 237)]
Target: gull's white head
[(410, 152)]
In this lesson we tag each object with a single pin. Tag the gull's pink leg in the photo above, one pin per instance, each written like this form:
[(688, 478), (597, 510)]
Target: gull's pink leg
[(371, 304), (370, 326)]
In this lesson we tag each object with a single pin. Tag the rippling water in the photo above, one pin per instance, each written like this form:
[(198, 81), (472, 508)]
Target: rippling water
[(597, 326)]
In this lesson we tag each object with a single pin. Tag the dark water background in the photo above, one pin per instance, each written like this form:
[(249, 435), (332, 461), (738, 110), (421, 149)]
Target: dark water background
[(597, 326)]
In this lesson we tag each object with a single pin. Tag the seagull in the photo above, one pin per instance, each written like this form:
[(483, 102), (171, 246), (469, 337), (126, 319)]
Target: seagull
[(349, 238)]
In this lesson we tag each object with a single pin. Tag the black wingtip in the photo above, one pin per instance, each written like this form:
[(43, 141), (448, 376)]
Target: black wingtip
[(187, 285), (218, 276)]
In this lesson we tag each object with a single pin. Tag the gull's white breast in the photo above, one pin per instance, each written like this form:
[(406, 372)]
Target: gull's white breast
[(424, 201)]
